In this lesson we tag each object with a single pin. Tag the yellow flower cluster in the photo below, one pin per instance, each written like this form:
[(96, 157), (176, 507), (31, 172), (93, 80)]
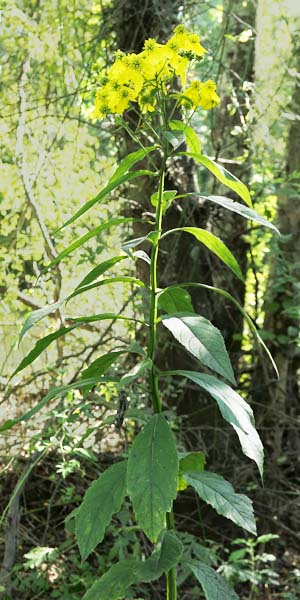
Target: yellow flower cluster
[(139, 77)]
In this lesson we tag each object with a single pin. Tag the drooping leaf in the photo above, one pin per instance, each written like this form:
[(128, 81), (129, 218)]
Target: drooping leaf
[(108, 281), (214, 244), (235, 411), (214, 586), (84, 238), (39, 314), (218, 492), (55, 392), (191, 138), (102, 499), (152, 475), (136, 371), (119, 177), (114, 584), (240, 209), (223, 175), (175, 299), (240, 308), (192, 462), (99, 270), (133, 243), (202, 340)]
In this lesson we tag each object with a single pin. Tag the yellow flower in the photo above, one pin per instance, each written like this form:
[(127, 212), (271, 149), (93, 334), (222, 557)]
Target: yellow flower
[(155, 61), (182, 41), (201, 94), (126, 70)]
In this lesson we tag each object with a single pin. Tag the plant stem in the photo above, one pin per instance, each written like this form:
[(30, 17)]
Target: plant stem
[(153, 378)]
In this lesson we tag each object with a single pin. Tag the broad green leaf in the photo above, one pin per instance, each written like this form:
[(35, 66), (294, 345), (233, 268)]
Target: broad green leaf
[(37, 315), (99, 270), (214, 586), (87, 236), (235, 411), (240, 209), (167, 199), (214, 244), (202, 340), (162, 559), (193, 462), (115, 582), (40, 346), (102, 499), (191, 138), (152, 475), (119, 177), (175, 299), (218, 492), (56, 392), (239, 307), (223, 176), (135, 372), (107, 281)]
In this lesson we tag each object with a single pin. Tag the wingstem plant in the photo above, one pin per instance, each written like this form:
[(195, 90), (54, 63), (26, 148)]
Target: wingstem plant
[(155, 472)]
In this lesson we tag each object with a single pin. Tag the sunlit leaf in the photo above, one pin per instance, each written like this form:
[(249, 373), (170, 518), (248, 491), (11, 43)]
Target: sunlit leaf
[(223, 176), (192, 462), (99, 270), (191, 138), (202, 340), (214, 244), (119, 177)]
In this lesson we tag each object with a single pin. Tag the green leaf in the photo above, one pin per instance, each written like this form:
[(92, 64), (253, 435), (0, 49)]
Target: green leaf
[(214, 244), (223, 176), (240, 308), (101, 364), (175, 138), (102, 317), (235, 411), (84, 238), (99, 270), (119, 177), (107, 281), (218, 492), (40, 346), (167, 199), (152, 475), (193, 462), (202, 340), (135, 372), (191, 138), (114, 584), (130, 160), (37, 315), (102, 499), (240, 209), (163, 559), (175, 299), (56, 392), (214, 586), (129, 244)]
